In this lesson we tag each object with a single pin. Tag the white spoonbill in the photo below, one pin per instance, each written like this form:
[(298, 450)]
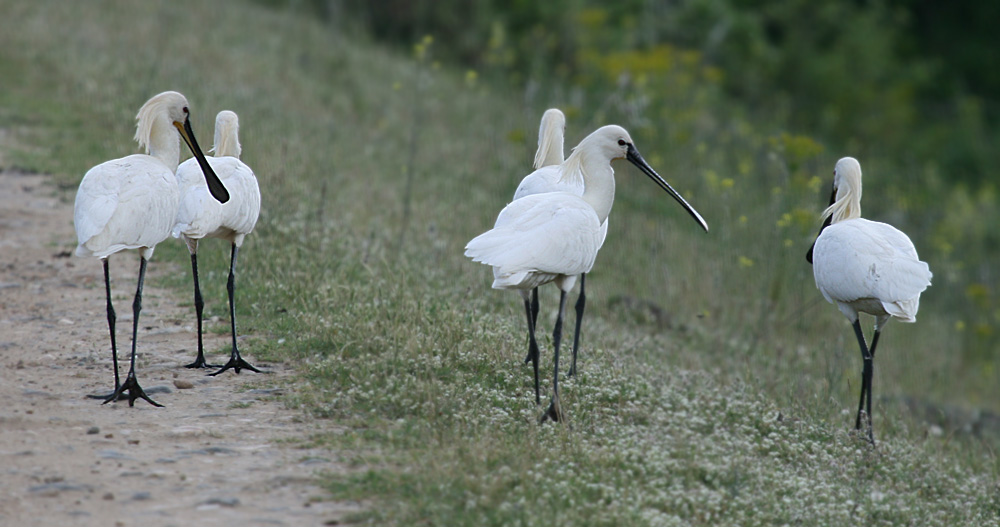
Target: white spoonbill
[(555, 236), (865, 266), (130, 203), (546, 178), (200, 216)]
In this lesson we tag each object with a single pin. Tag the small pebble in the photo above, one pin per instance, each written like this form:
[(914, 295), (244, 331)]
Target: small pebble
[(108, 496), (93, 430), (183, 385)]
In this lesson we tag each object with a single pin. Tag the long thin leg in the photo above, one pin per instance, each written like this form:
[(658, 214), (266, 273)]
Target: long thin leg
[(199, 308), (235, 361), (555, 409), (532, 347), (534, 307), (871, 372), (871, 349), (131, 384), (111, 329), (581, 303), (866, 382), (532, 317)]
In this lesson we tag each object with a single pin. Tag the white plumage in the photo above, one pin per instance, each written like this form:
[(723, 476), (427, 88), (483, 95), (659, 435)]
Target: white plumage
[(200, 216), (555, 236), (860, 259), (551, 131), (538, 239), (124, 204), (131, 203), (864, 266), (547, 178)]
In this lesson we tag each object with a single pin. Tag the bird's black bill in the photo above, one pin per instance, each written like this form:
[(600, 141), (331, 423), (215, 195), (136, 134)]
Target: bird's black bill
[(633, 156), (826, 223), (215, 185)]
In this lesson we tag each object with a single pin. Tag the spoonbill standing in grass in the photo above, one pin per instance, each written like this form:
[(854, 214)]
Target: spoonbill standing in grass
[(546, 178), (865, 266), (555, 236), (131, 203), (199, 216)]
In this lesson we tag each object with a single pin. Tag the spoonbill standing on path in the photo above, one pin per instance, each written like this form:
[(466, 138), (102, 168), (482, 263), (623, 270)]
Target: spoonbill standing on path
[(865, 266), (199, 216), (131, 203), (555, 236)]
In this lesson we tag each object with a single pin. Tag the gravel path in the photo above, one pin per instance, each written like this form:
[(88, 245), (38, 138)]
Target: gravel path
[(222, 452)]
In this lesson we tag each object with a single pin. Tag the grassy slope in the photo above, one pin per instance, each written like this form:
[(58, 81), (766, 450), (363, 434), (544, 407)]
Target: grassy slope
[(735, 410)]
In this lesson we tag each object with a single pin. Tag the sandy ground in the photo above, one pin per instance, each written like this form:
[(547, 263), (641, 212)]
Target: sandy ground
[(217, 454)]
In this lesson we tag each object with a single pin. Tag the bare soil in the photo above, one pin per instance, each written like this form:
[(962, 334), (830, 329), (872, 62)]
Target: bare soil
[(223, 451)]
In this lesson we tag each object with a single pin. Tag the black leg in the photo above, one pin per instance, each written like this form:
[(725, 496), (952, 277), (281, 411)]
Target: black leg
[(534, 307), (131, 385), (871, 350), (235, 361), (581, 303), (111, 329), (199, 308), (871, 371), (866, 382), (555, 409), (532, 347), (532, 317)]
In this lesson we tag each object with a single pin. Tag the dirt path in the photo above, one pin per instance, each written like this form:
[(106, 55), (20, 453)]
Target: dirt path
[(215, 455)]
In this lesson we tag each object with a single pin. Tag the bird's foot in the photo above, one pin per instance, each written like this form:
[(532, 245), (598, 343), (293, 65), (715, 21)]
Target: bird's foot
[(200, 362), (866, 434), (554, 412), (870, 436), (863, 427), (527, 358), (131, 385), (236, 363), (105, 396)]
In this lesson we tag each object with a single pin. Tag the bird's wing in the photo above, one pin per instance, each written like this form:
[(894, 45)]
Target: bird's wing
[(189, 173), (865, 259), (96, 199), (241, 213), (200, 215), (546, 179), (554, 233), (197, 214), (604, 231), (125, 203)]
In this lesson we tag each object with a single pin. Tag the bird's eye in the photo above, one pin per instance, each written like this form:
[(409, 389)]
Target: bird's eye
[(621, 142), (185, 109)]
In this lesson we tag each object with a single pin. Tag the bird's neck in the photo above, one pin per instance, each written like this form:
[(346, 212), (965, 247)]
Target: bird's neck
[(550, 149), (165, 143), (847, 207), (598, 183), (227, 142)]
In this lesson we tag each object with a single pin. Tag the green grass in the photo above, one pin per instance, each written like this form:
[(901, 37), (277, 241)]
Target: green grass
[(716, 386)]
